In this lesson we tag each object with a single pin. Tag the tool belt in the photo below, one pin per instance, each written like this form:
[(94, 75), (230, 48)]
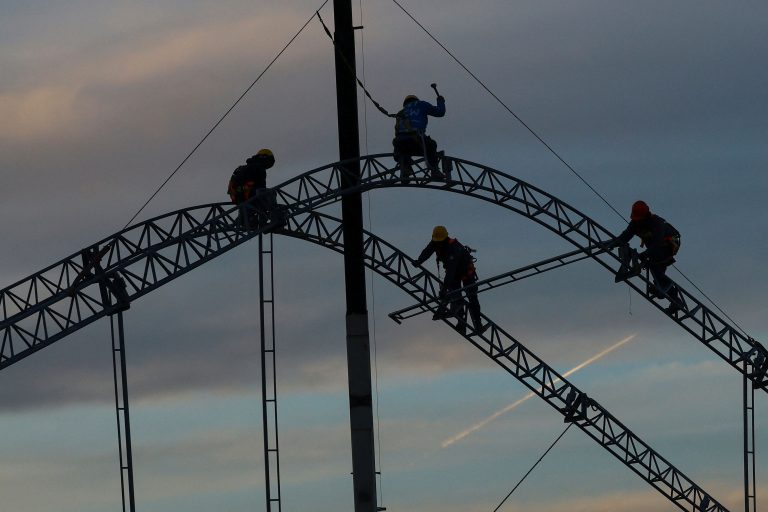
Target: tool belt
[(674, 242)]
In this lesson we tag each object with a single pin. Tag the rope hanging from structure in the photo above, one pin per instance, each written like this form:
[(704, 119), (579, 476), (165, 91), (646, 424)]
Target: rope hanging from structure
[(351, 69)]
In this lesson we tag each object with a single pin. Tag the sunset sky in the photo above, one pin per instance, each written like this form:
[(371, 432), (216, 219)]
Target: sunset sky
[(661, 101)]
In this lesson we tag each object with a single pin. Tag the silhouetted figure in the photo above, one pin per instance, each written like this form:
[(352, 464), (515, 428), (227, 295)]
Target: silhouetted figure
[(248, 187), (410, 133), (661, 241), (459, 266)]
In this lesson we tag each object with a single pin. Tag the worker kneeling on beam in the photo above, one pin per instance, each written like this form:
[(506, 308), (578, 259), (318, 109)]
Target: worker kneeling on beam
[(661, 241), (248, 189), (459, 266), (410, 133)]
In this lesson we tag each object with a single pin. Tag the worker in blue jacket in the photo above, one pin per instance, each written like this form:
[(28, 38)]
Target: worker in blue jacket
[(410, 130)]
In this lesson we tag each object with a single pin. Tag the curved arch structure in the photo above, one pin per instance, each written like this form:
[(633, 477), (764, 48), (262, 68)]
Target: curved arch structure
[(84, 287), (52, 303)]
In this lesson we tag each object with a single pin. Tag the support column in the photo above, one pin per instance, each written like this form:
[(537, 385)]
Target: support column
[(750, 482), (358, 343), (269, 373), (123, 414)]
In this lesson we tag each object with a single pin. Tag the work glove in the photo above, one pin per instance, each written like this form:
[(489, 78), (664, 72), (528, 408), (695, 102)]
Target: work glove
[(440, 98)]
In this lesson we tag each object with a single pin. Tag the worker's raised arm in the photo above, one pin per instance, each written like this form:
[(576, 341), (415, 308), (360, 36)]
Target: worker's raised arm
[(439, 109)]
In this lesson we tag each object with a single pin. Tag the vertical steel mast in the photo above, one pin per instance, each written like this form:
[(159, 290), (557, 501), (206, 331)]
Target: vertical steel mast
[(358, 343)]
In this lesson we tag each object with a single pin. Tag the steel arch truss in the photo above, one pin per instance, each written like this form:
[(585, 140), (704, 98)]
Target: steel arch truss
[(106, 277), (575, 406), (54, 302)]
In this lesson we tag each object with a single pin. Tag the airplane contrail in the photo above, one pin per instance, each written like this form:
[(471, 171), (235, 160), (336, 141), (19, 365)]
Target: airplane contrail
[(477, 426)]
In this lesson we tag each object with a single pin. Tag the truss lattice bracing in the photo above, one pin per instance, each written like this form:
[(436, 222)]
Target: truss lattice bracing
[(67, 296), (46, 306), (513, 276), (523, 364)]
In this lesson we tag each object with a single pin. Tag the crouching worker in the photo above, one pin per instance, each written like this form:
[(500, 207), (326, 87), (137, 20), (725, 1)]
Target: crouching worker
[(661, 241), (459, 266), (248, 189), (410, 134)]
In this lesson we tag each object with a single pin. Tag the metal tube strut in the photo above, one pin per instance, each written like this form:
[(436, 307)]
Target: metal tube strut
[(123, 415), (499, 280), (269, 374), (750, 482)]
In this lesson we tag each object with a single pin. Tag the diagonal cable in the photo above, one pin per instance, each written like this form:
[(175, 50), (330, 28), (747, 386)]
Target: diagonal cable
[(533, 467), (508, 109), (551, 150), (221, 119)]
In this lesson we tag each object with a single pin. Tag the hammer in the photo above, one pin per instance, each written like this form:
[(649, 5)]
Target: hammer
[(434, 86)]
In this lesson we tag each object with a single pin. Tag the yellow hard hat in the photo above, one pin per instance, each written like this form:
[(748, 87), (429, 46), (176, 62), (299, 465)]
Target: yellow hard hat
[(265, 152), (439, 234), (410, 98)]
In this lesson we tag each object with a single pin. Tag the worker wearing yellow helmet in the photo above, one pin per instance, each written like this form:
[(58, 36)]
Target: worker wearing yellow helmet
[(459, 266), (250, 180), (252, 176)]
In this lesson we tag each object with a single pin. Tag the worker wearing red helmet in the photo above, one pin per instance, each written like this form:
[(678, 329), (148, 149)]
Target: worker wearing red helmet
[(459, 266), (661, 241)]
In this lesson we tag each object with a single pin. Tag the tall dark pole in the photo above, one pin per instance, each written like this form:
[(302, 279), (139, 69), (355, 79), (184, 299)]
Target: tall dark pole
[(358, 343)]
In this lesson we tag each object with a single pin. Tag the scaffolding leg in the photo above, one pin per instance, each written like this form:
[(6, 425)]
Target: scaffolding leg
[(269, 374), (750, 482), (123, 413)]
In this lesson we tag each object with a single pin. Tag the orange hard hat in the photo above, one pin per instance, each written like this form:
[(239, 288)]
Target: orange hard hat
[(640, 211)]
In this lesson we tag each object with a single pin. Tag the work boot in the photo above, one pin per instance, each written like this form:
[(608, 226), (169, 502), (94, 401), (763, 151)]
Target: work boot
[(435, 174), (480, 330), (406, 171), (441, 314), (653, 292), (447, 166)]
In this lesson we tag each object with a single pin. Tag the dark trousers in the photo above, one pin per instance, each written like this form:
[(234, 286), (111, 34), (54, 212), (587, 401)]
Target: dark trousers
[(664, 284), (255, 211), (659, 258), (473, 304), (406, 145)]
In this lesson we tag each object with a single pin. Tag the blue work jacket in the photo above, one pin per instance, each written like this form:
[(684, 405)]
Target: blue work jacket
[(413, 117)]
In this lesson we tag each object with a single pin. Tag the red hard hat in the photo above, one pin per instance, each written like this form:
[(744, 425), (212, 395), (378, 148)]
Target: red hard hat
[(640, 210)]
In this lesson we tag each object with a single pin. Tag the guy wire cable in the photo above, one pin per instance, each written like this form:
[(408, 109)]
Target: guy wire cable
[(551, 150), (499, 100), (369, 198), (533, 467), (221, 119)]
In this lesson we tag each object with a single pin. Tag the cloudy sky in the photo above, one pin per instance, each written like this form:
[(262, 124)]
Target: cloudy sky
[(99, 101)]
